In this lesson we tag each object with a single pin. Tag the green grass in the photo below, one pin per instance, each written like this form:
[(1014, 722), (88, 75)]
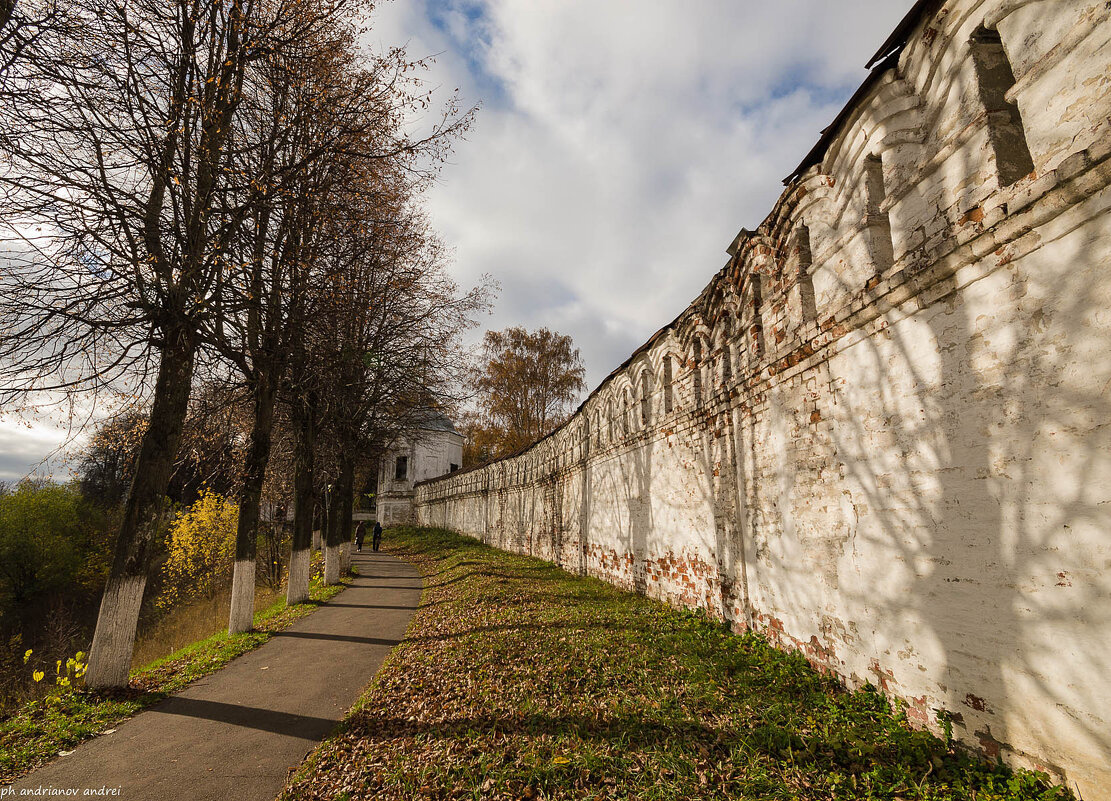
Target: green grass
[(47, 726), (519, 680)]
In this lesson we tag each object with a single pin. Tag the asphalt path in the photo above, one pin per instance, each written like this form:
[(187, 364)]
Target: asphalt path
[(238, 733)]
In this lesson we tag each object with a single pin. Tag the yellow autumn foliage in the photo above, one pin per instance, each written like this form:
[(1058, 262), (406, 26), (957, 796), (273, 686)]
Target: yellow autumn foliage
[(201, 550), (74, 672)]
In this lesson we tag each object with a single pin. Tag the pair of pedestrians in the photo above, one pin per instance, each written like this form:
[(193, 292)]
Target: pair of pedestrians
[(360, 535)]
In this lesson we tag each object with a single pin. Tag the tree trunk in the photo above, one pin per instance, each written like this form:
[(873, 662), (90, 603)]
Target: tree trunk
[(332, 569), (7, 11), (241, 617), (297, 591), (346, 509), (114, 639), (339, 520), (317, 525)]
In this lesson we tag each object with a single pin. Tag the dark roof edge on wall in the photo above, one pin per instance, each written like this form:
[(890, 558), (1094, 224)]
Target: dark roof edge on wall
[(818, 152), (887, 57), (901, 35)]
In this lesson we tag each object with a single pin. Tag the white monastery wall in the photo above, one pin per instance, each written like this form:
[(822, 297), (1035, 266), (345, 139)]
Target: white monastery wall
[(881, 433)]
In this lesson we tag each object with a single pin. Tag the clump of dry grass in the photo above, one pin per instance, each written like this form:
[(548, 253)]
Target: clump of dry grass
[(191, 622)]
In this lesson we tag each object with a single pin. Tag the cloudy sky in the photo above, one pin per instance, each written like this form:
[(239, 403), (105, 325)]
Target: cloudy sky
[(619, 148), (621, 145)]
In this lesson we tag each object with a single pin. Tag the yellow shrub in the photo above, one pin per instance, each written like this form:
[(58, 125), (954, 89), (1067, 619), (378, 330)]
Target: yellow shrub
[(201, 549)]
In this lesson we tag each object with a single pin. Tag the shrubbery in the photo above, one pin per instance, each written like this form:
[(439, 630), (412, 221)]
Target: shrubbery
[(201, 550), (55, 548), (40, 538)]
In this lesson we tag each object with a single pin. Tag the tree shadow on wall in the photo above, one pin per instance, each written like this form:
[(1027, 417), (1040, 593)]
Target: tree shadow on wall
[(985, 488), (636, 481), (715, 455), (630, 485)]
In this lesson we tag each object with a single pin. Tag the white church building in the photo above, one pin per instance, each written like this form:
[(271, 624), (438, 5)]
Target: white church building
[(437, 449)]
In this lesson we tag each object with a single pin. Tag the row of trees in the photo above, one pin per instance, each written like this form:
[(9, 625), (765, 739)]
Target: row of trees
[(222, 190)]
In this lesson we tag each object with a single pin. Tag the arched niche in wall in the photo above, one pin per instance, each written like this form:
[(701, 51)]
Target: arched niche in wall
[(724, 342), (668, 382), (1006, 133), (626, 413), (645, 386), (801, 263), (697, 359)]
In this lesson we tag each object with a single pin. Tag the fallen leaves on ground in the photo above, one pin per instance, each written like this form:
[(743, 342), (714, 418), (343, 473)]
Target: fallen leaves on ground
[(517, 680)]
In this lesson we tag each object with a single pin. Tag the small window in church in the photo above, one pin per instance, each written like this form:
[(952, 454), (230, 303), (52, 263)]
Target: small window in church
[(452, 468), (401, 469)]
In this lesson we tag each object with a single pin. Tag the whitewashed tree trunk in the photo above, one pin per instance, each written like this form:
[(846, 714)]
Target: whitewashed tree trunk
[(114, 640), (297, 591), (242, 615), (339, 520), (333, 531), (333, 567)]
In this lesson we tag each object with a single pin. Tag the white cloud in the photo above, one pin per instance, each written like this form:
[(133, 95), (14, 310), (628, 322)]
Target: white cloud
[(622, 145), (27, 448)]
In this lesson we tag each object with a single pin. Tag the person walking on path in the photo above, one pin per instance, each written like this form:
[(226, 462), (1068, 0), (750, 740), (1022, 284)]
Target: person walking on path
[(360, 535), (377, 537)]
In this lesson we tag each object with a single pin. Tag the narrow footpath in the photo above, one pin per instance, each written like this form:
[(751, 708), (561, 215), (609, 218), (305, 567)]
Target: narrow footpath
[(237, 733)]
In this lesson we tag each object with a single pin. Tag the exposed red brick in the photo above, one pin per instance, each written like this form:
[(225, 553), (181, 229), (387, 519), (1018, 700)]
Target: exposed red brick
[(976, 702), (973, 215)]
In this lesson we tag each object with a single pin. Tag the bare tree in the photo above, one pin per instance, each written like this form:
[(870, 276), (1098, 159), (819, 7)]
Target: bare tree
[(21, 26), (121, 165), (388, 334), (329, 120), (154, 216), (265, 304)]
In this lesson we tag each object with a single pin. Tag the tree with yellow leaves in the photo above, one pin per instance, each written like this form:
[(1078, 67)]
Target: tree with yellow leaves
[(201, 550)]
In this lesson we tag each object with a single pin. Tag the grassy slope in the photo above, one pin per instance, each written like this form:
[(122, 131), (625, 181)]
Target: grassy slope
[(44, 727), (518, 680)]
